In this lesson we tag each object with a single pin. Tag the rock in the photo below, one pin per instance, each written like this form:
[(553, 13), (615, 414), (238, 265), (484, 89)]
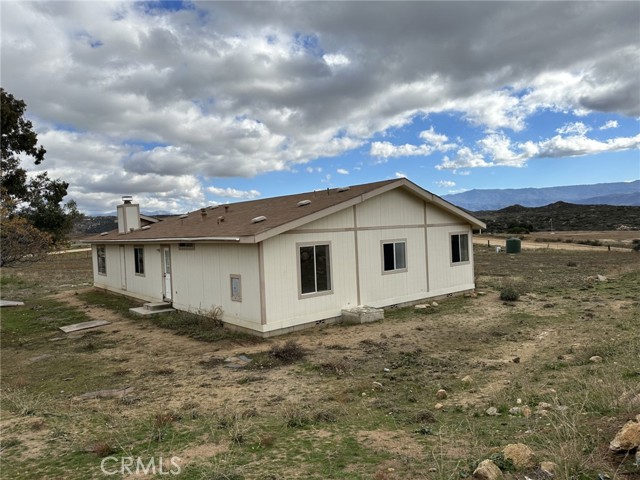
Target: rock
[(441, 394), (521, 455), (467, 380), (515, 359), (638, 458), (487, 470), (377, 385), (492, 411), (595, 359), (526, 411), (434, 304), (549, 468), (438, 406), (544, 406), (627, 438), (601, 278), (515, 411), (421, 307), (387, 370)]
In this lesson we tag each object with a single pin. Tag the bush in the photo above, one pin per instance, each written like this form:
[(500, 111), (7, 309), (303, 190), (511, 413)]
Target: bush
[(288, 352), (509, 294)]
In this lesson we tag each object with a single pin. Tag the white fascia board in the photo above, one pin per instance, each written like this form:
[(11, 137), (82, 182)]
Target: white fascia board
[(168, 240)]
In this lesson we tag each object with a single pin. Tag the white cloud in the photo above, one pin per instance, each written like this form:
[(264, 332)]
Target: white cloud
[(433, 138), (385, 150), (576, 128), (336, 59), (234, 193), (609, 124), (342, 171), (498, 150), (445, 183), (400, 175)]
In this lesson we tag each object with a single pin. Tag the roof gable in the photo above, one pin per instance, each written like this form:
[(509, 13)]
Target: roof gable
[(238, 222)]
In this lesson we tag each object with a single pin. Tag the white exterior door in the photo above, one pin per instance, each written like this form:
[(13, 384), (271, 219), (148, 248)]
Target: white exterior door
[(166, 273), (123, 269)]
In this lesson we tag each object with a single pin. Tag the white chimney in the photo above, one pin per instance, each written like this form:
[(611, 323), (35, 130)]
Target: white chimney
[(128, 215)]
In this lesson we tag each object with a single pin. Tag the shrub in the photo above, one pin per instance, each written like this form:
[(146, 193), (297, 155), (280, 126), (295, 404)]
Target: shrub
[(288, 352), (509, 294)]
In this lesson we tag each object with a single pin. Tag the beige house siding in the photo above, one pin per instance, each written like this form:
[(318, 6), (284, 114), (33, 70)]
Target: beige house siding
[(202, 280), (284, 307), (147, 287), (445, 277)]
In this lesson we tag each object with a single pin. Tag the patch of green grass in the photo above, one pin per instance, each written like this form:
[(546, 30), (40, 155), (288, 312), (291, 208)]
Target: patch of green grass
[(111, 301), (22, 325), (200, 327)]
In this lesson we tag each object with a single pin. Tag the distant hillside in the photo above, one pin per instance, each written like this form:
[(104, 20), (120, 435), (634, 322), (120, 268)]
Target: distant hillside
[(620, 193), (561, 216)]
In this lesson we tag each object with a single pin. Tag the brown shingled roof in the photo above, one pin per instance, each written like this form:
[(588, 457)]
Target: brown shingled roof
[(233, 222)]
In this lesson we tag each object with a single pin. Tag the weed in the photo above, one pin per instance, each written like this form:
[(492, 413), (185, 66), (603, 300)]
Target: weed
[(22, 402), (102, 449), (161, 423), (288, 352), (509, 294)]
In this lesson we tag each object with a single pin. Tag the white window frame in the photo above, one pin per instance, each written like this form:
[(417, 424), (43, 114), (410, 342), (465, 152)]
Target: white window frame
[(101, 251), (315, 293), (138, 267), (461, 261), (395, 263), (237, 278)]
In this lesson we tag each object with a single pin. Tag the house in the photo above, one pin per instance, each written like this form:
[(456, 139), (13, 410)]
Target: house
[(277, 264)]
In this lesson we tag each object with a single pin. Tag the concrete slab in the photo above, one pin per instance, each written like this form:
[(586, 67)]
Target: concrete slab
[(10, 303), (84, 325), (364, 314), (143, 311), (113, 393)]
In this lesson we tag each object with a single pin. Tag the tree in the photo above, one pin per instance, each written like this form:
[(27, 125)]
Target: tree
[(28, 203), (21, 243)]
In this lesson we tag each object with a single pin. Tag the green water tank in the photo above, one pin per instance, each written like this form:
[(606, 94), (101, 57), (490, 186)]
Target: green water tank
[(513, 245)]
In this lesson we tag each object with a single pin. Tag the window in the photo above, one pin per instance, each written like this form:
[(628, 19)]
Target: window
[(315, 268), (138, 258), (394, 256), (186, 246), (102, 259), (460, 248), (236, 288)]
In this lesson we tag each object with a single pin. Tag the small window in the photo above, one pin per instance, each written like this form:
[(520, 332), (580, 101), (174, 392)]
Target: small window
[(138, 258), (102, 259), (460, 248), (236, 288), (394, 256), (186, 246), (315, 268)]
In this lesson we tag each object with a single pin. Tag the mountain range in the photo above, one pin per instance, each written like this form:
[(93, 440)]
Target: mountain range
[(618, 193)]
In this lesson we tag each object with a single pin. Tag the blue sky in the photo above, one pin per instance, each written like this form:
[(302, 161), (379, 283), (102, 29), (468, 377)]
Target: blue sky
[(184, 104)]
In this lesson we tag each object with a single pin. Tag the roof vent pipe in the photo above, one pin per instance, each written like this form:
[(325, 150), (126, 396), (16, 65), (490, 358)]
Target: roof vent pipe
[(203, 212)]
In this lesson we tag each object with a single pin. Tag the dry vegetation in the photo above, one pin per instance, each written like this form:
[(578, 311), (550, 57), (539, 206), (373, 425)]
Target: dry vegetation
[(334, 402)]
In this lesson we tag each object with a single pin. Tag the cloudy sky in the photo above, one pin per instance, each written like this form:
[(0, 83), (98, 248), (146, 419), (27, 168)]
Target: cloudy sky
[(184, 104)]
